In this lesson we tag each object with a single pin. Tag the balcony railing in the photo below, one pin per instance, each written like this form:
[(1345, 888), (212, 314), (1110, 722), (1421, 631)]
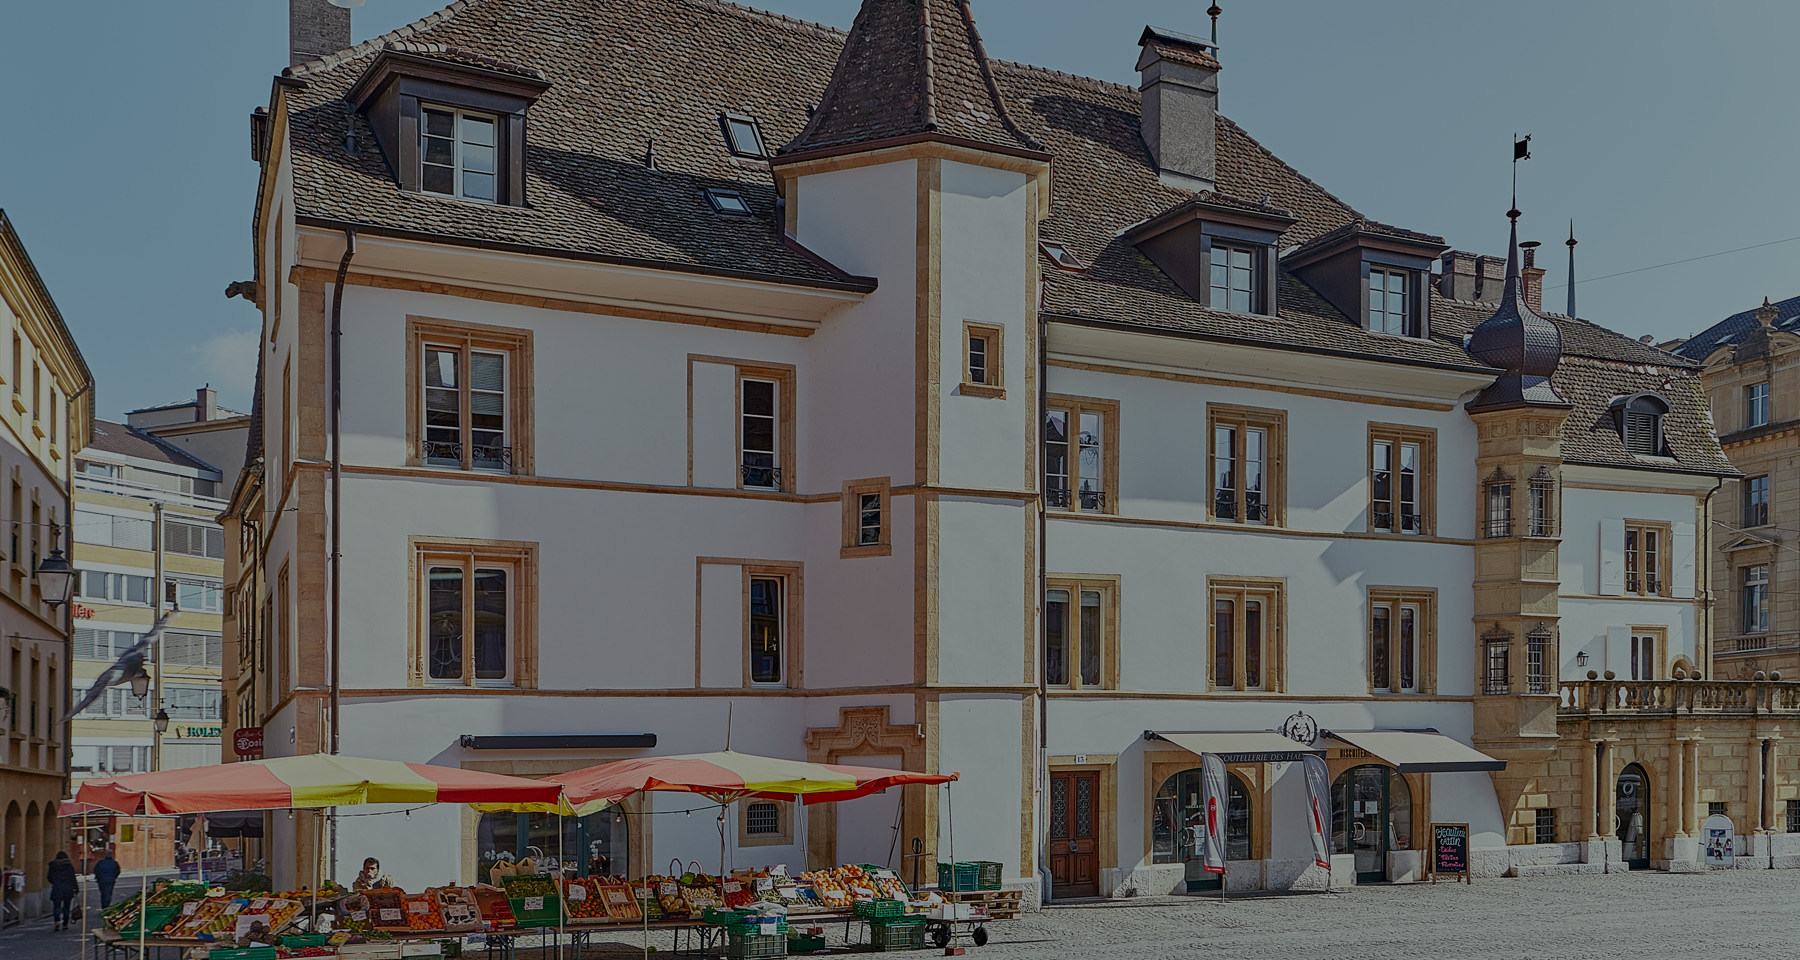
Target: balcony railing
[(1499, 529), (484, 456), (1647, 698), (1063, 497), (764, 477)]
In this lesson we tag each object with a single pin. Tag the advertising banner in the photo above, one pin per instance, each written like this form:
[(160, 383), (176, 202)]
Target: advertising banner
[(1213, 794), (1318, 805)]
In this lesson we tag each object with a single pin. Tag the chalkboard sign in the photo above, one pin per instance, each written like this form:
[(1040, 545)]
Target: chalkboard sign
[(1450, 850)]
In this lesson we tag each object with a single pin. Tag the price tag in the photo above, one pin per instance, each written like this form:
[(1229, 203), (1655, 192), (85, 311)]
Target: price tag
[(577, 893), (863, 892), (534, 903), (359, 914), (188, 908), (884, 874), (617, 896), (231, 909), (668, 889), (765, 884), (389, 914), (732, 886), (418, 907), (642, 893)]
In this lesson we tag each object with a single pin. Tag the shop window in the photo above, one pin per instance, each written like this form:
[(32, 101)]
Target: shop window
[(1402, 641), (1546, 826), (983, 369), (867, 527), (1401, 478), (1081, 640), (1081, 465), (1247, 457), (594, 845), (764, 823), (469, 396), (475, 605), (1178, 816), (1246, 634)]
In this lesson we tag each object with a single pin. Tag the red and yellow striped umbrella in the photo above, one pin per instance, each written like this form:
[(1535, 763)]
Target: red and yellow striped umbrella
[(727, 776), (319, 780)]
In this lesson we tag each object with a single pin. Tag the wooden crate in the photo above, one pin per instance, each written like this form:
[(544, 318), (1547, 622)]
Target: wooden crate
[(999, 904)]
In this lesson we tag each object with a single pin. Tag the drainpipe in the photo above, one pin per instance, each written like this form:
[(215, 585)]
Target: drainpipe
[(1704, 572), (68, 609), (337, 487), (1043, 746), (158, 598)]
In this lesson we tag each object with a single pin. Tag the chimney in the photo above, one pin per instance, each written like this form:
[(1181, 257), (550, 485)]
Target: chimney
[(1532, 277), (206, 404), (316, 28), (1179, 79), (1490, 278), (1456, 277)]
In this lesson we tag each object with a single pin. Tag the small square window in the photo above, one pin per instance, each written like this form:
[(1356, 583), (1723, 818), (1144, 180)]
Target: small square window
[(1715, 808), (1793, 816), (1546, 826), (728, 202), (762, 818), (866, 522), (743, 136), (982, 361)]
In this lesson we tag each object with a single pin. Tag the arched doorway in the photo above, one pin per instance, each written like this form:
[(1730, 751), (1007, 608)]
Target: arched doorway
[(1177, 816), (1631, 816), (1371, 814)]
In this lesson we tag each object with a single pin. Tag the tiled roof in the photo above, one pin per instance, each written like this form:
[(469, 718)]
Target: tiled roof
[(460, 57), (111, 437), (1733, 329), (911, 67), (1366, 226)]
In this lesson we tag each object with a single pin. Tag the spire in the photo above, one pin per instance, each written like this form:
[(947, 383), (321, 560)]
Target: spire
[(1515, 339), (912, 70), (1572, 241)]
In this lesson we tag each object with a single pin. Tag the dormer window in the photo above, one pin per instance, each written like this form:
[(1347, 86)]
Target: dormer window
[(1234, 285), (1390, 308), (1639, 420), (450, 122), (729, 202), (1219, 250), (457, 153), (743, 136)]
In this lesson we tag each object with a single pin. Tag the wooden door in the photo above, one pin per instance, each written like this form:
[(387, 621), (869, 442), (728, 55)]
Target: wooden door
[(1075, 834)]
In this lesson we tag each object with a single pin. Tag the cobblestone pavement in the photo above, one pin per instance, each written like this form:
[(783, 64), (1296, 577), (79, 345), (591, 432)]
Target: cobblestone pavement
[(1717, 916)]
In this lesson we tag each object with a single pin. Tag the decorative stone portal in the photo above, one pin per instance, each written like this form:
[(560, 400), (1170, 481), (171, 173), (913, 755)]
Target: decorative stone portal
[(863, 733)]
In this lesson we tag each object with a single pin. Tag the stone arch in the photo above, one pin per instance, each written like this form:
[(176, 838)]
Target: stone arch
[(31, 847), (12, 853), (864, 732)]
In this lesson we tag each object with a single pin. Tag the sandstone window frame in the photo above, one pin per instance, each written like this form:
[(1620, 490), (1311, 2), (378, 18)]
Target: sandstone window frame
[(1066, 497), (1270, 593), (784, 820), (1423, 601), (792, 577), (856, 542), (1651, 642), (1273, 425), (1076, 642), (786, 423), (520, 557), (1398, 436), (1648, 559), (466, 338), (989, 380)]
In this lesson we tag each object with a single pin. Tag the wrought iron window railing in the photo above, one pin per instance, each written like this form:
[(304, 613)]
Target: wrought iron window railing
[(483, 456), (1086, 499), (759, 476), (1499, 529)]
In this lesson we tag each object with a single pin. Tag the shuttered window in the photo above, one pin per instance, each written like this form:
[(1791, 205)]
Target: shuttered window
[(107, 530), (193, 540)]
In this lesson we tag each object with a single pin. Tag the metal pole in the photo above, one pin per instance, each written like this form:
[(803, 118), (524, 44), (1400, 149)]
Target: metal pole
[(563, 909), (157, 600)]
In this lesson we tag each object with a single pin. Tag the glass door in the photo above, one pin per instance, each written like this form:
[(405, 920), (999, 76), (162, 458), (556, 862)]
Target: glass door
[(1632, 812), (1371, 813)]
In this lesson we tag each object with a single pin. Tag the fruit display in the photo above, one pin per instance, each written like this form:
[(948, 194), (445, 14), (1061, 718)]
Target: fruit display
[(385, 909), (737, 893), (494, 907), (832, 893), (421, 912), (649, 904), (668, 896), (458, 909), (581, 903), (619, 902)]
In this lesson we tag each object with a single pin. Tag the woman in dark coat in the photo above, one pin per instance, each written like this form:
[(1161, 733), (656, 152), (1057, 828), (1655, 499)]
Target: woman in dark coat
[(62, 887)]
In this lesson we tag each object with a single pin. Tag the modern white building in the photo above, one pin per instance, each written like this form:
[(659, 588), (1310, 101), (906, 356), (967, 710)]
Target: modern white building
[(700, 366)]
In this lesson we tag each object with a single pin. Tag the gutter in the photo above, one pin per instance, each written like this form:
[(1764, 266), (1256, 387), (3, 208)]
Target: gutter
[(852, 284), (337, 513)]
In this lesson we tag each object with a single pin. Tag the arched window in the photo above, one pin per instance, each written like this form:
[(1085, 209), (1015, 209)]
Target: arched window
[(1639, 420), (1178, 812)]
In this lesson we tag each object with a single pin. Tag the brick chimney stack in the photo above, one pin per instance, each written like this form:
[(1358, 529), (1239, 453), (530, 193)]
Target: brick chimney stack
[(1490, 278), (1456, 275), (316, 28), (1531, 276)]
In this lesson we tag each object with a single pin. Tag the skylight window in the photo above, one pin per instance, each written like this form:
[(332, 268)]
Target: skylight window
[(728, 202), (1061, 256), (743, 136)]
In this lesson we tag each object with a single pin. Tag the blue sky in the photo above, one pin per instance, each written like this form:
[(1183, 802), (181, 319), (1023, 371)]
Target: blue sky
[(1662, 127)]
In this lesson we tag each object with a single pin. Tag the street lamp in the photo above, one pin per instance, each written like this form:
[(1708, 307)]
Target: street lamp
[(162, 721), (55, 575), (140, 682)]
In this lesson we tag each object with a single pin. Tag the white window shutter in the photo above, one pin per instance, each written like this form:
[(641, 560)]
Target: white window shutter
[(1618, 652), (1681, 540), (1612, 557)]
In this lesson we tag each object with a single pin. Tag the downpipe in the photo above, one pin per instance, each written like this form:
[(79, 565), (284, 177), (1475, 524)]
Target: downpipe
[(337, 514)]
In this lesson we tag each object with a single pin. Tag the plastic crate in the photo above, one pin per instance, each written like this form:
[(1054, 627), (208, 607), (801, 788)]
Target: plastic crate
[(902, 933), (545, 914), (242, 953), (967, 876), (724, 915), (155, 918), (778, 928), (987, 875), (805, 943), (738, 946), (879, 908), (300, 941)]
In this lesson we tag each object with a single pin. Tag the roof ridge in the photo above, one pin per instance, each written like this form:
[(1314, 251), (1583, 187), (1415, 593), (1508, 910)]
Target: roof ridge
[(757, 13), (1106, 85), (373, 44)]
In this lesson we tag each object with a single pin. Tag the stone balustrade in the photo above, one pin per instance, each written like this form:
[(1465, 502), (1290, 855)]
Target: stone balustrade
[(1669, 697)]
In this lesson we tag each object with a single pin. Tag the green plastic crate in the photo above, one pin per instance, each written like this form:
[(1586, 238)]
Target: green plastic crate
[(779, 928), (805, 943), (724, 915), (987, 875), (549, 915), (967, 876), (739, 946), (241, 953), (900, 933), (155, 918), (300, 941), (879, 908)]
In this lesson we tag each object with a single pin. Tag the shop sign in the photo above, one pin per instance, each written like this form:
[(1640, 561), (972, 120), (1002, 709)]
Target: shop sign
[(1450, 851), (190, 731), (1721, 845), (81, 611), (247, 741)]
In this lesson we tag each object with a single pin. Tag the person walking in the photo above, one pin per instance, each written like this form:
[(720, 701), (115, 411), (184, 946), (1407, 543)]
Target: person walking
[(106, 873), (61, 877)]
